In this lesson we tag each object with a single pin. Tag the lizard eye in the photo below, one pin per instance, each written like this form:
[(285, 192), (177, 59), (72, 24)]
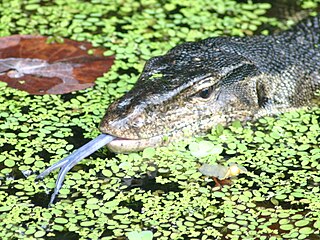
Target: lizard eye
[(206, 93)]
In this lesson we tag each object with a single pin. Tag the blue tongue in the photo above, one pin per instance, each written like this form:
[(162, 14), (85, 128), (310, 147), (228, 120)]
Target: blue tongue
[(67, 163)]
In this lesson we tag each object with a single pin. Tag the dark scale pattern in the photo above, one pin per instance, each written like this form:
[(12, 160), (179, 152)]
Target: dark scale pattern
[(199, 84)]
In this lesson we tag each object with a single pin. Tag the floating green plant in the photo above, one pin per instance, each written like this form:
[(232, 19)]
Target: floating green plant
[(158, 192)]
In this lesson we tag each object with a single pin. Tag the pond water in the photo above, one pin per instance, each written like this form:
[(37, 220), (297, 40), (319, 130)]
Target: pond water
[(108, 196)]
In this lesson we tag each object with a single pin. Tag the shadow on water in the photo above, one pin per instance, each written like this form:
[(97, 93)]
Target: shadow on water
[(64, 235)]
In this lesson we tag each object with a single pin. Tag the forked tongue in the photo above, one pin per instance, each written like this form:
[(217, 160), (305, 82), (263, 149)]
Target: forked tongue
[(67, 163)]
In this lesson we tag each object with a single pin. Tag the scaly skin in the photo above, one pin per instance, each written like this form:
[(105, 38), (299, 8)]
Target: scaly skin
[(200, 84), (197, 85)]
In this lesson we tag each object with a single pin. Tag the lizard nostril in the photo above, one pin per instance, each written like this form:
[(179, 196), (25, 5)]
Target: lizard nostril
[(137, 122)]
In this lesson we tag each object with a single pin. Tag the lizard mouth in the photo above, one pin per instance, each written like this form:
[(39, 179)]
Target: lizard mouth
[(126, 145)]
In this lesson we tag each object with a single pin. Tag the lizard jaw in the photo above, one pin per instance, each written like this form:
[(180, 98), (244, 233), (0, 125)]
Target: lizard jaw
[(123, 145)]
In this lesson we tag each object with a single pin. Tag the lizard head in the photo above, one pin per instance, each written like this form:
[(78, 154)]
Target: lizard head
[(185, 92)]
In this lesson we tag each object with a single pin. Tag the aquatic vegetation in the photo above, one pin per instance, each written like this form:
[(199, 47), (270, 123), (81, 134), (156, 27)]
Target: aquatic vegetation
[(159, 190)]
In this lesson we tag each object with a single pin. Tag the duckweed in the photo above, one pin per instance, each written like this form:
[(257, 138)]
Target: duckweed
[(158, 193)]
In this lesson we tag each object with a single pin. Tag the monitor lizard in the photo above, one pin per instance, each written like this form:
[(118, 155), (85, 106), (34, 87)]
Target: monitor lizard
[(197, 85)]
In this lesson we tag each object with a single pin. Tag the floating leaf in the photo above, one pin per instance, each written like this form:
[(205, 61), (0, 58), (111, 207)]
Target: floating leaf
[(60, 220), (148, 152), (302, 223), (32, 64), (286, 227), (39, 234), (204, 148), (143, 235), (9, 163)]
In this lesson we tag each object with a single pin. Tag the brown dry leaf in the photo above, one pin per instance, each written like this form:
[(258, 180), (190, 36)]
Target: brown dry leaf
[(31, 64)]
